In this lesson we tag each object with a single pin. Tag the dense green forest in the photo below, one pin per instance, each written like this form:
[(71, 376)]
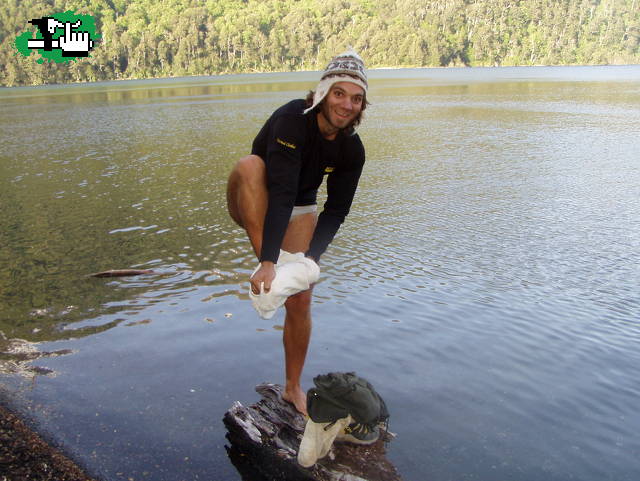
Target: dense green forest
[(160, 38)]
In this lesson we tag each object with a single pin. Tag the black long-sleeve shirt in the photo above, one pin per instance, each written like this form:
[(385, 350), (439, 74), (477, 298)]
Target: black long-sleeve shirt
[(297, 157)]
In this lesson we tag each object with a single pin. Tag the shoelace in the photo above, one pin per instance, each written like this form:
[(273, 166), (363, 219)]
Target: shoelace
[(357, 428)]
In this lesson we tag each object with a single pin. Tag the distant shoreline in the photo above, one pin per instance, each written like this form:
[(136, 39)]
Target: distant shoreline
[(374, 69)]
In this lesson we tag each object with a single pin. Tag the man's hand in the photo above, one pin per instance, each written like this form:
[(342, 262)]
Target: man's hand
[(265, 274)]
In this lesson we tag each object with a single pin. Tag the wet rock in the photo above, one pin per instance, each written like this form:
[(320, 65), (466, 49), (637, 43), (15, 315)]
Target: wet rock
[(17, 355)]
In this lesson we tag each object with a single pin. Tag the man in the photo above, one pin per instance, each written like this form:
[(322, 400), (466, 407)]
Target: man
[(272, 192)]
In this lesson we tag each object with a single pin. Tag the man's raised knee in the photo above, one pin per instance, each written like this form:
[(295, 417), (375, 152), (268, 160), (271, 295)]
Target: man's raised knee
[(250, 168)]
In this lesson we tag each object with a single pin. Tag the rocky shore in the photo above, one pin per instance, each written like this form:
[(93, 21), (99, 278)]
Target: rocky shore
[(24, 455)]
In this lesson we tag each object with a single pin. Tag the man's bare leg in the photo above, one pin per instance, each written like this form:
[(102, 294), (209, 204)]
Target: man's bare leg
[(247, 199), (297, 320), (297, 334)]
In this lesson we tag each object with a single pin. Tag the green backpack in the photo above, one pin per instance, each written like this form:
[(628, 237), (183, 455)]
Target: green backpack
[(339, 394)]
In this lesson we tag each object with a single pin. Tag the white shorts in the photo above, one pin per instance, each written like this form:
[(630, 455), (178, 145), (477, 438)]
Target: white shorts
[(303, 209)]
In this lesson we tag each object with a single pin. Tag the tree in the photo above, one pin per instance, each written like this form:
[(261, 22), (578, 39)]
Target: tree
[(145, 38)]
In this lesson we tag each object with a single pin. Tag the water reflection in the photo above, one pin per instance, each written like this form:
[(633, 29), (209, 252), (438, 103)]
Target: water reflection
[(486, 276)]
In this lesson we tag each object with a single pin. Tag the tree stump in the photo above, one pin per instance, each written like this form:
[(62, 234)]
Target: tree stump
[(265, 438)]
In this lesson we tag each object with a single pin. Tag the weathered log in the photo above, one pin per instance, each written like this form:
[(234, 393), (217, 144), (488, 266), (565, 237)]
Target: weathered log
[(265, 438), (122, 273)]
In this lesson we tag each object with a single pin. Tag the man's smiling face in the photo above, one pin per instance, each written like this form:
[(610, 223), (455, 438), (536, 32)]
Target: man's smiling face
[(342, 104)]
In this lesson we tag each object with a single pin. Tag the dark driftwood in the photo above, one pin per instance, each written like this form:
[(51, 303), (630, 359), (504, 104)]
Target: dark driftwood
[(265, 438), (122, 273)]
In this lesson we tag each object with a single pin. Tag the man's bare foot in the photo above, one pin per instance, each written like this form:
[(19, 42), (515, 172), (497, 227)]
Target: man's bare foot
[(297, 397)]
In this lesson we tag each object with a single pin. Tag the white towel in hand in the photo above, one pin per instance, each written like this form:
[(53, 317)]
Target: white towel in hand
[(294, 273), (317, 440)]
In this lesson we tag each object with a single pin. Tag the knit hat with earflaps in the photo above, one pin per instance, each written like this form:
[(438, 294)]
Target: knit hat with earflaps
[(346, 67)]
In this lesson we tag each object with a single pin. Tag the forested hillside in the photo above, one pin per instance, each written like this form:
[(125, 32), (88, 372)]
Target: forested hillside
[(158, 38)]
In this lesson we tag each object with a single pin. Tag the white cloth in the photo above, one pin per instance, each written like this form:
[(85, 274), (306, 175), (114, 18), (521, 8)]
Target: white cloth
[(317, 440), (294, 273)]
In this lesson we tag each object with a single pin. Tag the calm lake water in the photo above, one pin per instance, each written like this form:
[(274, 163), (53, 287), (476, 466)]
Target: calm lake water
[(486, 282)]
